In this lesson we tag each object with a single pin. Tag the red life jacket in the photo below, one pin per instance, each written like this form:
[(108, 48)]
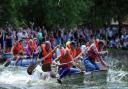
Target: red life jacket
[(65, 59), (72, 51), (92, 54), (78, 51), (17, 47), (97, 44), (45, 53), (20, 46)]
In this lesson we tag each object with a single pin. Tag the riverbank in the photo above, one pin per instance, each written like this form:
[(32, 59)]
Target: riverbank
[(119, 50), (118, 53)]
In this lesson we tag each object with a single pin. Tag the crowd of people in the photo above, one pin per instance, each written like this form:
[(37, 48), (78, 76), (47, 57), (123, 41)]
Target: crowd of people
[(60, 47), (9, 35)]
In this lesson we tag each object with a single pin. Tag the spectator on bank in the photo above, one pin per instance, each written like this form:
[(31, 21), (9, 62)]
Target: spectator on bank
[(125, 44), (1, 38), (61, 36), (8, 40), (20, 34), (39, 36)]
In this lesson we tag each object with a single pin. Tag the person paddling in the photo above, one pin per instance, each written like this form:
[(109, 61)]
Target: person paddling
[(66, 64), (31, 48), (45, 59), (94, 55), (17, 50), (76, 52)]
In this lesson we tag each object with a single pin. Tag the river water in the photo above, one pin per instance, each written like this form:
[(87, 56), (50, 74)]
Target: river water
[(17, 78)]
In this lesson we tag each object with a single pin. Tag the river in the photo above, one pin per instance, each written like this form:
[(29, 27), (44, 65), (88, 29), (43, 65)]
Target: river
[(17, 78)]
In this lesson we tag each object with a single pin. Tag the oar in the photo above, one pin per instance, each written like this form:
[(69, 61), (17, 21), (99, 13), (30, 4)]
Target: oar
[(31, 67), (5, 64)]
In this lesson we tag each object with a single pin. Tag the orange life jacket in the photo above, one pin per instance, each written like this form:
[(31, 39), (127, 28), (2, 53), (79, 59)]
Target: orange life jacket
[(72, 51), (17, 47), (65, 59), (32, 45), (45, 53), (20, 46)]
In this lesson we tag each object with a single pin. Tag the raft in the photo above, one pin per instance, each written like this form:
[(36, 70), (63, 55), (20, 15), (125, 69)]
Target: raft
[(23, 62), (5, 56), (97, 75), (79, 78), (100, 76), (76, 78)]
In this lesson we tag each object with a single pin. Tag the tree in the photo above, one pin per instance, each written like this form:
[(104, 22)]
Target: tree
[(63, 13)]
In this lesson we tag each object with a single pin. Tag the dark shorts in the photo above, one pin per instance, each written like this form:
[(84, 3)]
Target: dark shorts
[(1, 42), (9, 43), (46, 67)]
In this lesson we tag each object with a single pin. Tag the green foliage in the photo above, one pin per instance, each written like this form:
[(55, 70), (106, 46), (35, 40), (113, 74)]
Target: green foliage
[(63, 13)]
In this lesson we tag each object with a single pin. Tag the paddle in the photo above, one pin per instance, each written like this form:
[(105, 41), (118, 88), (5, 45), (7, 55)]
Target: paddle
[(7, 62), (31, 67)]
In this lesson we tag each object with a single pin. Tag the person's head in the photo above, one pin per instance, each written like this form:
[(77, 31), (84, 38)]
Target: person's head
[(35, 39), (101, 44), (48, 45), (31, 45), (68, 44), (92, 39), (87, 44), (30, 42), (24, 32), (73, 45), (21, 40)]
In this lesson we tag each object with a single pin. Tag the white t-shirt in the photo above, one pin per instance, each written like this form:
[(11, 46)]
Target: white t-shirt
[(58, 53), (19, 35), (38, 73), (84, 50)]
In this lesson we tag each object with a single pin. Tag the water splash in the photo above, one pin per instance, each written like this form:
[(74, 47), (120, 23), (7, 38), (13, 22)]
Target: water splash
[(116, 71), (17, 78)]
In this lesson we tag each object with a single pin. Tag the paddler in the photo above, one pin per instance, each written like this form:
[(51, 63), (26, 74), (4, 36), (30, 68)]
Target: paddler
[(47, 54), (95, 54), (75, 51), (31, 48), (45, 58), (66, 64), (17, 50)]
